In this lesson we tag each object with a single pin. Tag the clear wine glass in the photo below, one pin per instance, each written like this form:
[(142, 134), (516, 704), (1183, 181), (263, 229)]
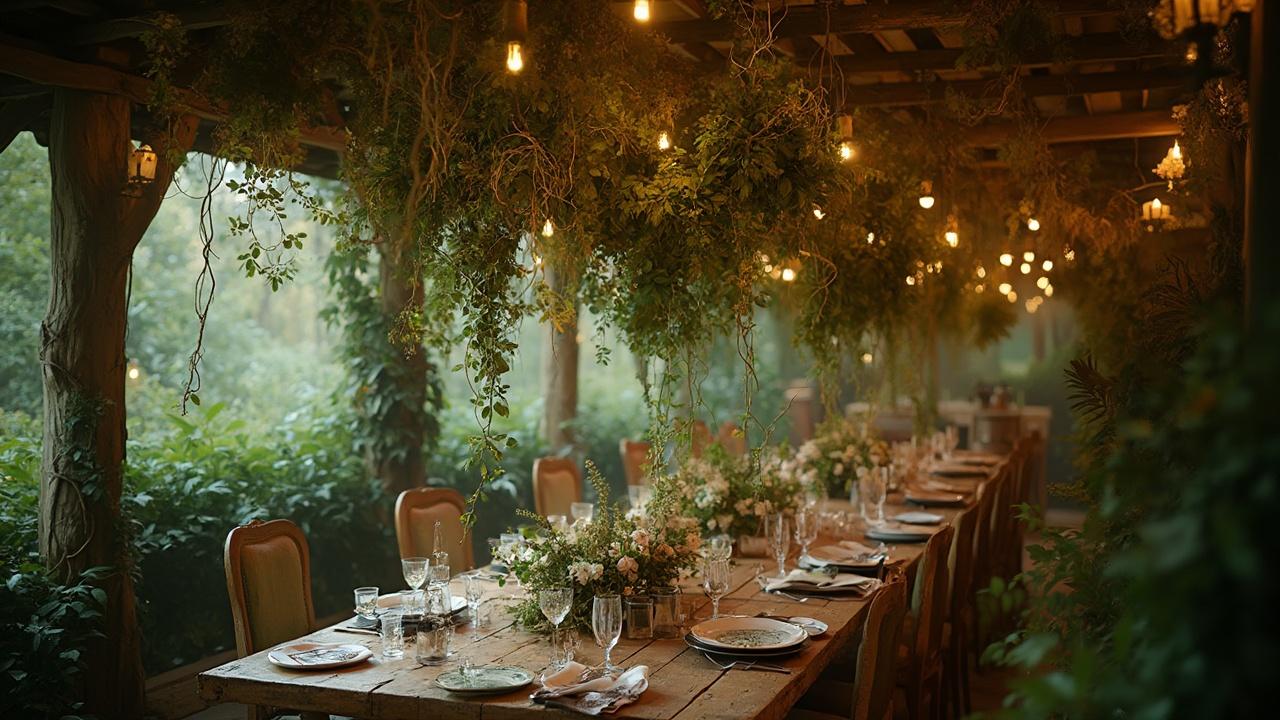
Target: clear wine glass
[(475, 595), (806, 529), (715, 581), (777, 533), (606, 624), (583, 511), (415, 571), (875, 486), (555, 604)]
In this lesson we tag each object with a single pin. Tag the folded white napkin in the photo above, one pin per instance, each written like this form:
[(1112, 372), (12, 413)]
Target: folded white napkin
[(846, 553), (564, 689), (805, 580)]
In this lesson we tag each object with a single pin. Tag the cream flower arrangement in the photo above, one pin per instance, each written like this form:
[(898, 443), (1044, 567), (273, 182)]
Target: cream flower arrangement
[(732, 495), (615, 552), (841, 453)]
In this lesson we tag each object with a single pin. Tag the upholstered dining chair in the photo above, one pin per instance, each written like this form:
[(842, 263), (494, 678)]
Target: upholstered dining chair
[(417, 512), (635, 460), (700, 438), (961, 612), (731, 438), (268, 567), (920, 654), (870, 695), (557, 485)]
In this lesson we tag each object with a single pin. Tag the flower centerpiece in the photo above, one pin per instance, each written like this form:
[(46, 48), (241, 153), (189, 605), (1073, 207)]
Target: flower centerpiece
[(732, 495), (840, 454), (614, 552)]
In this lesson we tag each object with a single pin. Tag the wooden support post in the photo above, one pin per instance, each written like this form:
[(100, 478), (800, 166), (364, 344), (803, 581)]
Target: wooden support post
[(401, 466), (95, 228), (560, 368), (1262, 169)]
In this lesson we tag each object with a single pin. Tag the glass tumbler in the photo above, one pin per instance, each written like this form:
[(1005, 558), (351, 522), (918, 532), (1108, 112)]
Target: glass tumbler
[(392, 633), (639, 616), (435, 636), (367, 602), (666, 612)]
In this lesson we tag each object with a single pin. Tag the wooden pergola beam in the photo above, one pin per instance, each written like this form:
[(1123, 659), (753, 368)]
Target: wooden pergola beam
[(891, 94), (1083, 128), (199, 18), (45, 69), (839, 19), (1102, 47)]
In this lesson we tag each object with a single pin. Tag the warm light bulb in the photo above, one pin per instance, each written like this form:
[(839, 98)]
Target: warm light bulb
[(979, 288), (548, 229), (953, 238), (1047, 265), (981, 272), (1033, 224), (1048, 290), (926, 201), (788, 275), (871, 238), (1176, 151), (1043, 282), (1029, 256), (1155, 205), (1032, 306), (926, 194), (1013, 296), (641, 10), (134, 370), (817, 212), (1005, 288), (867, 358), (1006, 259), (664, 141), (515, 57), (847, 151), (911, 279), (1025, 268)]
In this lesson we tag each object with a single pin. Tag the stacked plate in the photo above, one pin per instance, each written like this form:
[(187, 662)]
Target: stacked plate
[(898, 533), (746, 637), (932, 498), (959, 469)]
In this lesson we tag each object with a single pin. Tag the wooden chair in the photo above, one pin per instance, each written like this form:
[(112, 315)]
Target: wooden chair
[(870, 695), (635, 460), (956, 633), (268, 567), (731, 438), (557, 485), (700, 438), (920, 655), (417, 512)]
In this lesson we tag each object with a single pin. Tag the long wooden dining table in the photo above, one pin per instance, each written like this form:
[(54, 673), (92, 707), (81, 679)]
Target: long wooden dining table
[(683, 684)]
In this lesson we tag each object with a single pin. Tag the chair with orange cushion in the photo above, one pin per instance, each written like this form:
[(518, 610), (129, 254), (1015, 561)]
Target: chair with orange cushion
[(557, 485), (635, 460), (731, 438), (417, 512), (870, 695), (920, 654), (268, 567)]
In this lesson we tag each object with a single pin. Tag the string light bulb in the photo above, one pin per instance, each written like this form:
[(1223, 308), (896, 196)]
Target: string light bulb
[(788, 275), (1005, 288), (1025, 268), (1029, 256), (515, 57), (844, 125), (911, 279), (952, 235), (871, 238), (981, 272), (1042, 282), (516, 29), (1013, 296), (1033, 224), (926, 194), (664, 141), (1047, 265), (548, 229), (1006, 259), (818, 213), (1048, 290), (134, 369), (979, 288), (867, 358), (641, 10)]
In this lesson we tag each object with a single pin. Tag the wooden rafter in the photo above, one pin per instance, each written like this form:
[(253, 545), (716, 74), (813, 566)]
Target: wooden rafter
[(889, 94), (1084, 128)]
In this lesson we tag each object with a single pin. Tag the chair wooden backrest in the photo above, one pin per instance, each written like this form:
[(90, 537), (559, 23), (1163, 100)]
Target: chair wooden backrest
[(960, 562), (699, 438), (635, 460), (929, 596), (557, 485), (417, 512), (878, 653), (268, 566), (731, 438), (980, 575)]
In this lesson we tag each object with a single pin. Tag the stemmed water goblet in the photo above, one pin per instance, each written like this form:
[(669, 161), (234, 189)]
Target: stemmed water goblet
[(555, 604), (715, 581), (606, 625), (777, 533), (806, 529), (415, 572)]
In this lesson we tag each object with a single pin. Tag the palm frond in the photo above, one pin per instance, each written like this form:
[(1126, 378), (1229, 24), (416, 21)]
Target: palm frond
[(1090, 391)]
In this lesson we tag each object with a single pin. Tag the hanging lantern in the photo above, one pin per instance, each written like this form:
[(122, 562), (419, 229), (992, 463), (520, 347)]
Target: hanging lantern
[(844, 124), (1171, 167), (640, 11), (952, 235), (1153, 209), (926, 194), (517, 30), (548, 229), (664, 141), (142, 165)]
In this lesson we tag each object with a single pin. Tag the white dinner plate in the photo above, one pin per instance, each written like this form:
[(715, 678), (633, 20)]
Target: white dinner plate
[(842, 557), (931, 498), (392, 600), (897, 533), (916, 517), (295, 656), (736, 633)]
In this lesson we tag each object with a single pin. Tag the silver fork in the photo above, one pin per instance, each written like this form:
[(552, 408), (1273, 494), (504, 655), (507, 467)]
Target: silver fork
[(747, 665)]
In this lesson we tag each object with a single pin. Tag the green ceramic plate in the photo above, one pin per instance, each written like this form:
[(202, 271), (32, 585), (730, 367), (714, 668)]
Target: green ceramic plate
[(486, 680)]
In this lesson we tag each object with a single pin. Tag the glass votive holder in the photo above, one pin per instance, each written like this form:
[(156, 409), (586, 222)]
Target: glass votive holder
[(639, 617), (666, 612), (392, 632), (412, 602), (367, 602), (435, 638), (582, 511)]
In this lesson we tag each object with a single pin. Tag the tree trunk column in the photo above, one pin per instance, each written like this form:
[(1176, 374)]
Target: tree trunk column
[(94, 230), (1262, 183), (401, 466), (560, 388)]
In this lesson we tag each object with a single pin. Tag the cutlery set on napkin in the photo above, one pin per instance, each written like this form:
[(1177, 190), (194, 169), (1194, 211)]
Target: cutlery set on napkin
[(818, 582), (578, 688)]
